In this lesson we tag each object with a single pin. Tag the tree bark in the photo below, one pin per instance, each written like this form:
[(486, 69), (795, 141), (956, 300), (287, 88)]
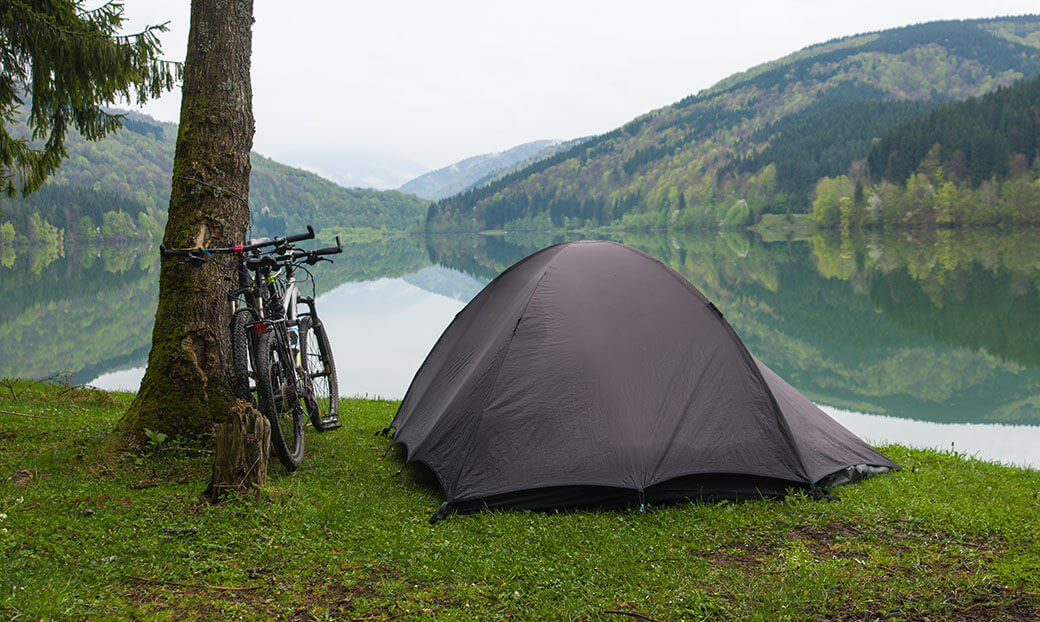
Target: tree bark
[(187, 387), (241, 457)]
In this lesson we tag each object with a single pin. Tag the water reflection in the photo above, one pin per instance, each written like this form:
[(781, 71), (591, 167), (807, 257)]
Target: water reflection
[(1010, 444), (941, 327)]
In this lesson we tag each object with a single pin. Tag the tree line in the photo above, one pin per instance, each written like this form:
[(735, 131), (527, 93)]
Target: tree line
[(974, 162)]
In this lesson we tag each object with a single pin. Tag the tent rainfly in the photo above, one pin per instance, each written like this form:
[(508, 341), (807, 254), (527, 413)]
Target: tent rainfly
[(590, 374)]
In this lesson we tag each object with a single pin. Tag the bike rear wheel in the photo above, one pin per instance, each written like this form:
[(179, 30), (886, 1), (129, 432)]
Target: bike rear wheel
[(243, 354), (276, 390), (318, 364)]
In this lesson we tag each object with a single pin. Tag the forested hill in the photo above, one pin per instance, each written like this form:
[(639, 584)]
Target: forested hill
[(974, 162), (757, 141), (997, 135), (136, 163)]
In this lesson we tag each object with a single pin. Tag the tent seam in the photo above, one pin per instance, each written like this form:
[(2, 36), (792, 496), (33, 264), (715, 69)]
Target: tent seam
[(785, 429), (505, 354), (408, 393)]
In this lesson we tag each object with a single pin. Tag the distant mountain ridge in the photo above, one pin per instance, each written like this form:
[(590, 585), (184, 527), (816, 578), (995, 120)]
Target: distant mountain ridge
[(702, 161), (461, 175)]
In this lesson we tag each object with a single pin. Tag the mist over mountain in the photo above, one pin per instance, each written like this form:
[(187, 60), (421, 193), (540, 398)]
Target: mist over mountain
[(352, 168)]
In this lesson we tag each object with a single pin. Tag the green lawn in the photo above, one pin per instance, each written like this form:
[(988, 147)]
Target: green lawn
[(86, 531)]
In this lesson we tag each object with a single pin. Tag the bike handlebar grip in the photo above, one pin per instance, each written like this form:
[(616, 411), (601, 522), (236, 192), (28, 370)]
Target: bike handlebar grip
[(302, 236), (330, 250), (172, 252)]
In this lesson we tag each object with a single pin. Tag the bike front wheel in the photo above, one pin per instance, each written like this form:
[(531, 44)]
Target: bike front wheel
[(318, 364), (278, 400)]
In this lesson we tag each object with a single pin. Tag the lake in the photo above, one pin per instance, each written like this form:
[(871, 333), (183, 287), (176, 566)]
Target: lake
[(930, 339)]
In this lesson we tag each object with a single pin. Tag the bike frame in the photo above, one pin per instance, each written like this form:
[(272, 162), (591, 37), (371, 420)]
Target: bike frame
[(269, 303)]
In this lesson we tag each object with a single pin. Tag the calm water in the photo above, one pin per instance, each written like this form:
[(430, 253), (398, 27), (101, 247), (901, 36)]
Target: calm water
[(930, 340)]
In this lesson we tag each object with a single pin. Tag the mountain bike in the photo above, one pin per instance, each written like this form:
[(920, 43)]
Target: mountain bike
[(281, 356)]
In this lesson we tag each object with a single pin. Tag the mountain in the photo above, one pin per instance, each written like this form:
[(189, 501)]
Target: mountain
[(755, 142), (548, 152), (460, 176), (136, 163)]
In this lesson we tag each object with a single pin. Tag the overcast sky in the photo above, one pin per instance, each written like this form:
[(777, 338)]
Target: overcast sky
[(375, 92)]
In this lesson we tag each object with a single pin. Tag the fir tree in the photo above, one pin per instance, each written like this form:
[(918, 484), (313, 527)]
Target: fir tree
[(64, 63)]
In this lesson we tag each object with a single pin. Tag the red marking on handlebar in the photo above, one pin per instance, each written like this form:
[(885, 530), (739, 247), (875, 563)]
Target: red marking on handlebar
[(237, 248)]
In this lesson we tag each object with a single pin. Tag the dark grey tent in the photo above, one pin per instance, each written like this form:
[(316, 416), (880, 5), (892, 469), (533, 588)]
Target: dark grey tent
[(591, 374)]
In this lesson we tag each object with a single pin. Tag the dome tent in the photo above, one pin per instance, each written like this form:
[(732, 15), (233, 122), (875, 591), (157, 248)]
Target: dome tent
[(591, 374)]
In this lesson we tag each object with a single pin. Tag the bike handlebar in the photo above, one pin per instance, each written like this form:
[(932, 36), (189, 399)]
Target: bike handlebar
[(330, 250), (314, 254), (300, 237), (240, 248)]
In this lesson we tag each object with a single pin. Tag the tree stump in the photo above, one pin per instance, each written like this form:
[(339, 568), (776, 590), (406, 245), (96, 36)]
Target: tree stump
[(242, 451)]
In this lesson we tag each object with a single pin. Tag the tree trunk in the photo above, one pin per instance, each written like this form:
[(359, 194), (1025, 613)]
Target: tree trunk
[(243, 449), (187, 386)]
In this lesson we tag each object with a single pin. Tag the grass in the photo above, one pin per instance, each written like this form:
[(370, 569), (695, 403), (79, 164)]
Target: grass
[(87, 531)]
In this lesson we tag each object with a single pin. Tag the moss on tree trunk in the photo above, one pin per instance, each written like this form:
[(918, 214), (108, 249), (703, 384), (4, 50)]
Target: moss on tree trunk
[(186, 387)]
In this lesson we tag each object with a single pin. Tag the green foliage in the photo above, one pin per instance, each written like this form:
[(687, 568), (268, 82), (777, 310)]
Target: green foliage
[(739, 215), (970, 163), (833, 196), (68, 62), (82, 213), (154, 441), (938, 201), (314, 546)]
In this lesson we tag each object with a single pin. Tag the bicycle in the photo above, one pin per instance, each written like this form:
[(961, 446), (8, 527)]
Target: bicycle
[(281, 356)]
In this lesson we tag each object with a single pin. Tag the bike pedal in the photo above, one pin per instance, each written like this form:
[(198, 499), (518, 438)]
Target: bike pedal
[(328, 426)]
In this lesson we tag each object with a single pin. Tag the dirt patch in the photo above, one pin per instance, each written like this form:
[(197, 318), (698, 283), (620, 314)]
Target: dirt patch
[(841, 541), (359, 592), (748, 556), (23, 478), (187, 602), (829, 540), (336, 597), (997, 603), (992, 603)]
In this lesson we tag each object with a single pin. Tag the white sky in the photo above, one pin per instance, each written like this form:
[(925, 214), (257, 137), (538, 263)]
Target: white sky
[(375, 92)]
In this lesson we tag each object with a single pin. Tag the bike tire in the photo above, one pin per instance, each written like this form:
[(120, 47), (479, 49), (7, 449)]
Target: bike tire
[(318, 363), (284, 415), (243, 349)]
